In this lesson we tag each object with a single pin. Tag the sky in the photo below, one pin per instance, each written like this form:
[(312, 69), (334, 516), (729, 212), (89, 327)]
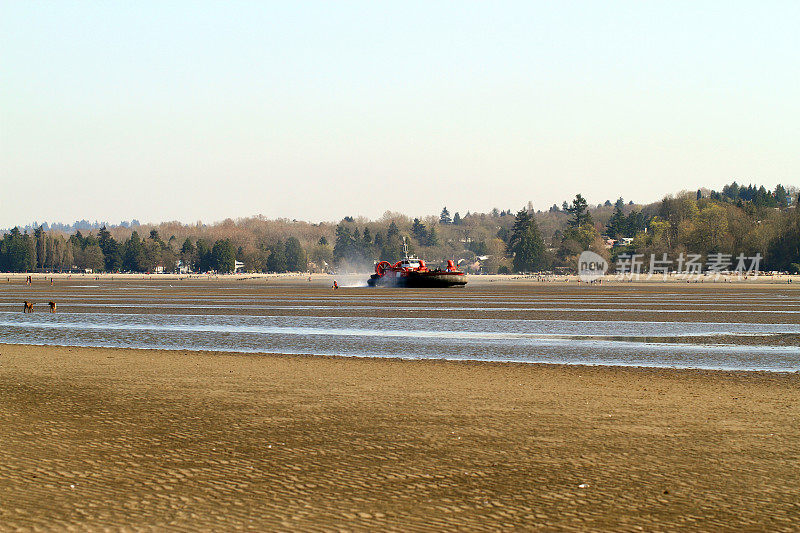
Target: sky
[(314, 111)]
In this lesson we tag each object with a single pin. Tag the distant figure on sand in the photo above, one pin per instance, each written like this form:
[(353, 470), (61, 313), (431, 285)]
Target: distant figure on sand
[(52, 306), (335, 285), (27, 307)]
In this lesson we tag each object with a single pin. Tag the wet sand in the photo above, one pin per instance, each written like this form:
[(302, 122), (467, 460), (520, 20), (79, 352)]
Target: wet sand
[(759, 300), (91, 438), (743, 326)]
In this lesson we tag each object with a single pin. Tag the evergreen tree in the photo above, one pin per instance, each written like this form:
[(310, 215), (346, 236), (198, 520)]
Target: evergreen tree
[(579, 211), (392, 249), (296, 260), (504, 234), (456, 219), (188, 254), (90, 257), (30, 244), (49, 261), (617, 224), (635, 222), (444, 217), (784, 250), (204, 263), (366, 244), (479, 248), (152, 255), (526, 246), (17, 252), (731, 192), (277, 258), (112, 258), (761, 197), (432, 238), (223, 256), (345, 243), (187, 250), (103, 236), (39, 235), (521, 223), (781, 197), (133, 257), (419, 231)]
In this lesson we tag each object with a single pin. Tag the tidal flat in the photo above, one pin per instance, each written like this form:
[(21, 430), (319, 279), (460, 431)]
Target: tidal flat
[(137, 404)]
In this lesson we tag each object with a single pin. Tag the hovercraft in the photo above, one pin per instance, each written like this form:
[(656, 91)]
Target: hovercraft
[(412, 272)]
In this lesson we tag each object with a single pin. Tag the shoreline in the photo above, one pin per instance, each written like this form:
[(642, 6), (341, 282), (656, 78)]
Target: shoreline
[(229, 353), (301, 278)]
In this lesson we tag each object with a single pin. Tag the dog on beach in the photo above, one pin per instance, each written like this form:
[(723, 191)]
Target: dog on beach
[(52, 306), (27, 307)]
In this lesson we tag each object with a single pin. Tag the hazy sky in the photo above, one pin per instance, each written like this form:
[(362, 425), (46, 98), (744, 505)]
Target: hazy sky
[(317, 110)]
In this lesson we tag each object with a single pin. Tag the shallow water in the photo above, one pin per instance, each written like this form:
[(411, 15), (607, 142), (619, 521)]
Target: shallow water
[(695, 329)]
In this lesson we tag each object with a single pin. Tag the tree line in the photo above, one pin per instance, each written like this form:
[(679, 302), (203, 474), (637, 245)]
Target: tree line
[(737, 219)]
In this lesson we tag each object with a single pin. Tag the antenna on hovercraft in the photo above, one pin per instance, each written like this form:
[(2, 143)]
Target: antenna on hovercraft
[(405, 248)]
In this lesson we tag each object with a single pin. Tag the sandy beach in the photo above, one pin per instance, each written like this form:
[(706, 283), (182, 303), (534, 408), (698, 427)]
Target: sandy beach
[(95, 438)]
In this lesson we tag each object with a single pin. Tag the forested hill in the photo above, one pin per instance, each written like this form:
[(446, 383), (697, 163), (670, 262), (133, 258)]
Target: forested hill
[(737, 220)]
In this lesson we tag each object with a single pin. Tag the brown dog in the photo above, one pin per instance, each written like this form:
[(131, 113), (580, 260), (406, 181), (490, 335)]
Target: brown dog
[(52, 306), (27, 307)]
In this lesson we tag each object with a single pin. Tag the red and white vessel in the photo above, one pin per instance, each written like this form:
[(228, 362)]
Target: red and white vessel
[(413, 272)]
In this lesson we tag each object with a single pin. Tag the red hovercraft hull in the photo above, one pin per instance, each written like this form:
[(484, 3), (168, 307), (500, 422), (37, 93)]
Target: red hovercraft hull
[(413, 273)]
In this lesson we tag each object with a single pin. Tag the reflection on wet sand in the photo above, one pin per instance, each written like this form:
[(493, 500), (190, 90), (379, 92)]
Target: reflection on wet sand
[(740, 328)]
